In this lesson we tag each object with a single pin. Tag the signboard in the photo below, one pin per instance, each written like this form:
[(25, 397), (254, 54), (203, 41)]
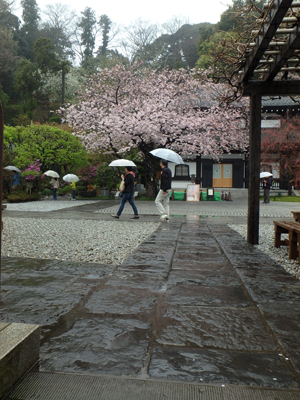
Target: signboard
[(193, 193)]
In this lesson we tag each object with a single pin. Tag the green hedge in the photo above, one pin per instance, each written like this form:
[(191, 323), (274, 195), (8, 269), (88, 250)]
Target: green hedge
[(22, 197)]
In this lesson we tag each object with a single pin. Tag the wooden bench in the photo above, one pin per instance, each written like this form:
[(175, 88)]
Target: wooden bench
[(293, 230), (296, 215)]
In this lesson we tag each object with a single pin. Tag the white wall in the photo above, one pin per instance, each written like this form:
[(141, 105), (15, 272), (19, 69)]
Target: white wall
[(182, 184)]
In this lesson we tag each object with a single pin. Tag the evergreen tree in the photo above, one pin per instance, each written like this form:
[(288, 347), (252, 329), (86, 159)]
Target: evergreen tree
[(30, 29), (105, 25), (87, 25)]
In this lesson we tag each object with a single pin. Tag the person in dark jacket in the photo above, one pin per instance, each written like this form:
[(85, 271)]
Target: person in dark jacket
[(162, 200), (128, 194), (267, 185)]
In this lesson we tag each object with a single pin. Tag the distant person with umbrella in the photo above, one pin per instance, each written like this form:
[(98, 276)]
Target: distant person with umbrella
[(162, 200), (72, 179), (15, 180), (127, 194), (267, 183), (55, 185)]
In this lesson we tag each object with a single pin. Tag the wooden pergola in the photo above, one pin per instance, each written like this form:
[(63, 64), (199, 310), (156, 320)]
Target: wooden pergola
[(275, 50)]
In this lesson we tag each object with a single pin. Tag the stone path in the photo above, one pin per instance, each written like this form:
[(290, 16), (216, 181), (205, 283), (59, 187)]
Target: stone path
[(192, 304)]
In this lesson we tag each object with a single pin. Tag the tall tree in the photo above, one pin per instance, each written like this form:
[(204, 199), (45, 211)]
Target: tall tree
[(48, 61), (133, 108), (137, 37), (60, 27), (27, 81), (87, 25), (105, 25), (30, 28)]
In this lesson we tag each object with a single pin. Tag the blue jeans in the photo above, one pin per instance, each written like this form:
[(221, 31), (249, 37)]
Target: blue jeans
[(74, 194), (127, 197), (54, 194)]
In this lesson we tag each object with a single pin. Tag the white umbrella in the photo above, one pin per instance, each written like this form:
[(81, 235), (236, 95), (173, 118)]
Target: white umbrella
[(12, 168), (265, 174), (71, 178), (51, 173), (168, 155), (122, 163)]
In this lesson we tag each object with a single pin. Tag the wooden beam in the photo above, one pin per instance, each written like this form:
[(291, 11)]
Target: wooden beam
[(265, 36), (254, 169), (286, 52), (273, 88)]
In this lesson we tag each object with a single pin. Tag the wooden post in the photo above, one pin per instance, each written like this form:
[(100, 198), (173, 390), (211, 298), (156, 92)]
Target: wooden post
[(254, 169), (1, 175)]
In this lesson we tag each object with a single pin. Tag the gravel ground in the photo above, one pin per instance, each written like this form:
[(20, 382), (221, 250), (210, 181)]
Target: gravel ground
[(266, 245), (93, 241), (46, 205), (73, 240)]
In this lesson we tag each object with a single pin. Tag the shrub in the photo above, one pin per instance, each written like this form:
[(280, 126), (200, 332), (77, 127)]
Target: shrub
[(66, 189), (22, 197), (107, 177)]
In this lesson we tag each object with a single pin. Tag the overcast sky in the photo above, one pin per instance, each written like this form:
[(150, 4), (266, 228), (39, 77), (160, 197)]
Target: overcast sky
[(157, 11)]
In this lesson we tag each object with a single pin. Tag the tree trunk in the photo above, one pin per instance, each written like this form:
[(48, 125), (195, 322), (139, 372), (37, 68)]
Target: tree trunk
[(150, 163)]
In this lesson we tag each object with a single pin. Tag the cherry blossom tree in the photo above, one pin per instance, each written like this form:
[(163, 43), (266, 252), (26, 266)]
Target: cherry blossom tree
[(132, 107)]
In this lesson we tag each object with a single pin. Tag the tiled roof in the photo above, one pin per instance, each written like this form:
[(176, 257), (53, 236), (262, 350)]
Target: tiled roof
[(280, 102)]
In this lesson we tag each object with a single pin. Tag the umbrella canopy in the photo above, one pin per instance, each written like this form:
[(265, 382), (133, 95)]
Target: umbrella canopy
[(265, 174), (12, 168), (71, 178), (51, 173), (122, 163), (168, 155)]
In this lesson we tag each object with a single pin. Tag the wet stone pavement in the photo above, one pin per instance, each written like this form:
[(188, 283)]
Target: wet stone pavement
[(192, 303)]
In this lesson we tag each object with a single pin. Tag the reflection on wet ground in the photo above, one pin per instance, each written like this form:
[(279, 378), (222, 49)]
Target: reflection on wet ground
[(192, 303)]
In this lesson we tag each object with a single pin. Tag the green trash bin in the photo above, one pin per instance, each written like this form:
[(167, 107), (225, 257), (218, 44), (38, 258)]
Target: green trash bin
[(217, 196), (178, 195)]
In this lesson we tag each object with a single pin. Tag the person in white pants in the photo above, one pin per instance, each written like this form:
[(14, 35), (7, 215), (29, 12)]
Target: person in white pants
[(162, 200)]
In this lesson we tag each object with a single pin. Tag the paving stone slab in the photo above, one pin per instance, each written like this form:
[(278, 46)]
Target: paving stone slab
[(283, 318), (37, 306), (203, 277), (215, 367), (121, 300), (111, 346), (291, 347), (159, 268), (195, 295), (206, 265), (200, 256), (233, 328), (142, 279)]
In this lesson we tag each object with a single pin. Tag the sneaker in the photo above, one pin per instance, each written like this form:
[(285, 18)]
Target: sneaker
[(164, 218), (135, 217), (115, 215)]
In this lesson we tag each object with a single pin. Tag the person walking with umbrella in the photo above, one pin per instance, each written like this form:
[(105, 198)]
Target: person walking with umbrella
[(127, 193), (267, 185), (15, 180), (162, 200), (55, 185)]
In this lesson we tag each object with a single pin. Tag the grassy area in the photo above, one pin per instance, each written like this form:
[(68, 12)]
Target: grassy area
[(287, 199)]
